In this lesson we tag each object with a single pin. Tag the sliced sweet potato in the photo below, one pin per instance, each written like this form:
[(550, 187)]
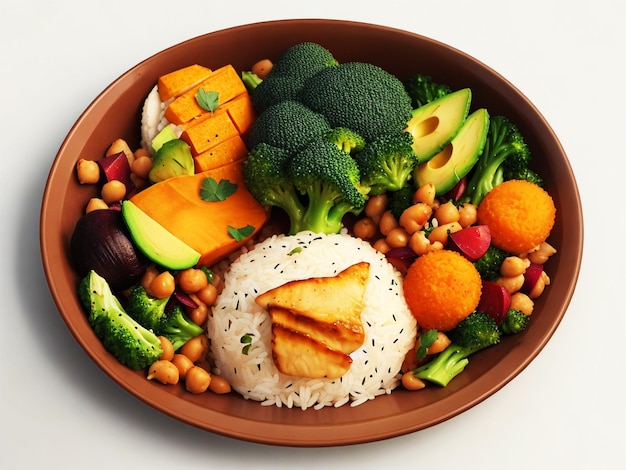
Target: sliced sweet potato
[(179, 81), (225, 81), (229, 151), (209, 132), (176, 204)]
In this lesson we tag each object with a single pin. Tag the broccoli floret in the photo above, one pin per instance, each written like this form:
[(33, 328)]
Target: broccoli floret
[(131, 344), (265, 176), (303, 60), (422, 90), (289, 125), (360, 96), (488, 265), (401, 199), (274, 90), (477, 331), (346, 139), (505, 155), (289, 72), (329, 178), (176, 326), (154, 314), (514, 321), (146, 310), (387, 162), (174, 158)]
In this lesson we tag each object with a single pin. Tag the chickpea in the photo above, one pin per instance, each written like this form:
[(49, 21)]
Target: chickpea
[(142, 152), (365, 228), (219, 385), (163, 371), (397, 238), (376, 206), (162, 286), (511, 283), (196, 348), (148, 276), (94, 204), (87, 171), (262, 68), (425, 194), (120, 145), (542, 253), (387, 223), (414, 218), (422, 245), (410, 382), (142, 166), (113, 191), (522, 302), (192, 280), (183, 364), (381, 246), (539, 286), (468, 214), (168, 349), (207, 295), (197, 380), (513, 266), (441, 233), (200, 314), (447, 213)]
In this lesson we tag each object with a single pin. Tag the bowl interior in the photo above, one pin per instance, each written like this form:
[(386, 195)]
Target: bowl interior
[(116, 112)]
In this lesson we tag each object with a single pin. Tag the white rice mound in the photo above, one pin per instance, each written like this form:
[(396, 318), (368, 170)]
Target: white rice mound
[(390, 329)]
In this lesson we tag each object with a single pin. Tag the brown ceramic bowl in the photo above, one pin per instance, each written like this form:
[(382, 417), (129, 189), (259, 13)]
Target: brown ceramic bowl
[(116, 112)]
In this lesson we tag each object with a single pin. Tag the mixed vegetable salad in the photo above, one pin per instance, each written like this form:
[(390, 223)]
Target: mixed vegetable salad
[(443, 189)]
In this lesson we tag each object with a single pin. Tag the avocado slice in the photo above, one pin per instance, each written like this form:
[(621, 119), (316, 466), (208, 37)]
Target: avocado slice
[(155, 241), (447, 167), (435, 124)]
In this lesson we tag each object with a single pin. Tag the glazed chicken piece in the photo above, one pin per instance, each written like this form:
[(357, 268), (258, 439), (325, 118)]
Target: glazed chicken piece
[(316, 322)]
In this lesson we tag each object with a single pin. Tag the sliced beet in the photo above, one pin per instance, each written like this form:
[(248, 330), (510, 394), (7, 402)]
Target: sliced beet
[(472, 242), (531, 276), (458, 190), (116, 167), (101, 242), (495, 301)]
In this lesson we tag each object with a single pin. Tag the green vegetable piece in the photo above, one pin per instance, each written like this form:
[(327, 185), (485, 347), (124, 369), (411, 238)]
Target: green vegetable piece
[(212, 191), (165, 135), (459, 156), (435, 124), (173, 159), (207, 100), (131, 343), (155, 241), (240, 233)]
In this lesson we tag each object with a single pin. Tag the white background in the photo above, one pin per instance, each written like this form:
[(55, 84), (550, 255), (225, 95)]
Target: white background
[(566, 410)]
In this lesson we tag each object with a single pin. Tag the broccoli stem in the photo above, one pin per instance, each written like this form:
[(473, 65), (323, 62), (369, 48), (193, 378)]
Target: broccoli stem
[(446, 366)]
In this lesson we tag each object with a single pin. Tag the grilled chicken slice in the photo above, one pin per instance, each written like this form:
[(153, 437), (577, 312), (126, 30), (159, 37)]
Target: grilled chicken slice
[(342, 336), (322, 316), (298, 354)]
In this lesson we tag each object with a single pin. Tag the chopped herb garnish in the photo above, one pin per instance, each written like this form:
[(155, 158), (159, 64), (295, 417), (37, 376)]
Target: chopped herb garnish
[(207, 100), (240, 233), (247, 340), (426, 341), (212, 191)]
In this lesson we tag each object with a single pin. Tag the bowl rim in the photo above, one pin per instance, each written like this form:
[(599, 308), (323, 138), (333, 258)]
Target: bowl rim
[(291, 434)]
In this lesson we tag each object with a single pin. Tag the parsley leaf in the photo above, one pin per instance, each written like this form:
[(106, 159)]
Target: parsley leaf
[(208, 100), (240, 233), (212, 191), (426, 340)]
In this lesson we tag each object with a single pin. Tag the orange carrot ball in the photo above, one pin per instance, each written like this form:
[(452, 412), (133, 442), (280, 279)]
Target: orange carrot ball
[(520, 215), (441, 289)]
